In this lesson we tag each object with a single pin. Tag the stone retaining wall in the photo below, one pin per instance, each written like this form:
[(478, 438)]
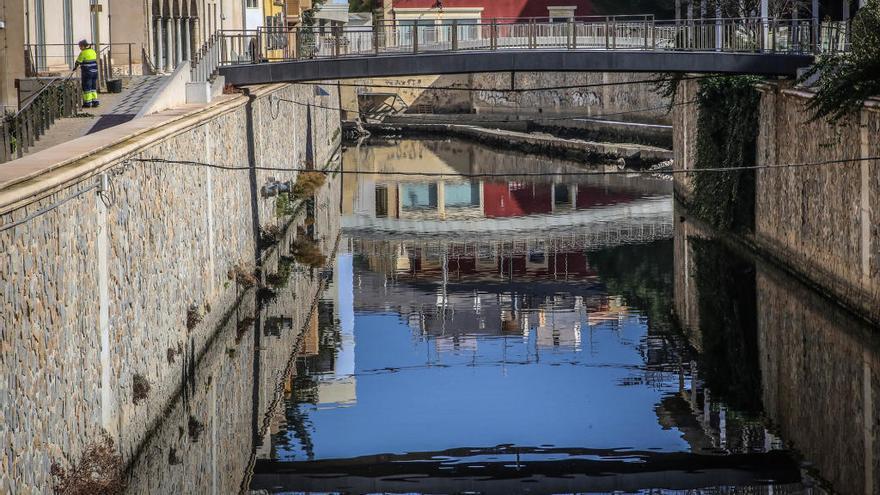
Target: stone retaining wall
[(97, 290), (607, 97), (821, 222)]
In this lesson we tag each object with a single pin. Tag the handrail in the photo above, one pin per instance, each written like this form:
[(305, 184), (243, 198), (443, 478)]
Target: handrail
[(635, 32), (20, 131), (206, 60)]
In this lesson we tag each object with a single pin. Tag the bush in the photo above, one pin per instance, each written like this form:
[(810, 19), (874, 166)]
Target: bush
[(847, 80), (307, 253), (727, 138), (98, 472), (193, 316), (140, 388), (307, 183)]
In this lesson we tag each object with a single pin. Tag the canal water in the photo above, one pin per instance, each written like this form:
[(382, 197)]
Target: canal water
[(511, 326), (490, 331)]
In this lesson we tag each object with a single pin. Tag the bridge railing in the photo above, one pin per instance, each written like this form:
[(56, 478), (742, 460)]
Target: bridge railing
[(739, 35)]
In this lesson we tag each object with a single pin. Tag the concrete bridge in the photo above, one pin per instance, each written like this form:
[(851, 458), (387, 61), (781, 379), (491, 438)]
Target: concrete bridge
[(759, 46)]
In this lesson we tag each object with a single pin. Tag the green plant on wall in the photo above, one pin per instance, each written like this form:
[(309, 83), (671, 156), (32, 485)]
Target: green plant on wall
[(847, 80), (727, 135)]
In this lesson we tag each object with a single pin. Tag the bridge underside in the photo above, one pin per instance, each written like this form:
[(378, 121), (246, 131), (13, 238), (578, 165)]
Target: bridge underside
[(760, 64)]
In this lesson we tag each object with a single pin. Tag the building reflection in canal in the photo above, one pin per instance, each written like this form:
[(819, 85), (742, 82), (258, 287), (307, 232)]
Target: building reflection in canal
[(509, 334), (559, 349)]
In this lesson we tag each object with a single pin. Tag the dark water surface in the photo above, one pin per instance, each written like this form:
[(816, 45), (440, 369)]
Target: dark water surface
[(563, 335)]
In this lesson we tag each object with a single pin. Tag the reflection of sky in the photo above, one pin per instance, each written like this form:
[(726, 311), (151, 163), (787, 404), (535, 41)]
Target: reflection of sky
[(416, 396)]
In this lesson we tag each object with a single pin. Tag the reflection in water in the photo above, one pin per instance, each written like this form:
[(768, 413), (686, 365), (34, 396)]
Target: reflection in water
[(547, 345), (502, 336)]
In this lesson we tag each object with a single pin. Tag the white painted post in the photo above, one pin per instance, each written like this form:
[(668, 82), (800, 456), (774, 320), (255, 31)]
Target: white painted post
[(169, 45), (178, 45), (159, 48), (765, 12), (719, 29), (815, 35), (187, 42), (108, 403)]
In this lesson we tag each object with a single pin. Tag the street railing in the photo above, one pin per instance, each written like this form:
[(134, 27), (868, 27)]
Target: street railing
[(738, 35), (19, 131)]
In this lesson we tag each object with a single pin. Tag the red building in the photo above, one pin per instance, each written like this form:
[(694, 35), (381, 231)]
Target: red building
[(486, 9)]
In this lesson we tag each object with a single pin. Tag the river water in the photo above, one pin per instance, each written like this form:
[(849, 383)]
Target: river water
[(508, 333), (514, 326)]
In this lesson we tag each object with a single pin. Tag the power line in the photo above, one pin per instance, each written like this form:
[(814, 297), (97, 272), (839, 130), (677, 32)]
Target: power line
[(502, 90), (47, 209), (512, 174), (79, 193), (495, 121)]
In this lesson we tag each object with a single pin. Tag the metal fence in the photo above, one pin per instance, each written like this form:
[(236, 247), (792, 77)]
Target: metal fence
[(739, 35), (21, 130), (114, 59)]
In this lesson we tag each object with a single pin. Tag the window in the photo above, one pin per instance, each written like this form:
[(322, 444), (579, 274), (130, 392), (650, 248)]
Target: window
[(253, 4)]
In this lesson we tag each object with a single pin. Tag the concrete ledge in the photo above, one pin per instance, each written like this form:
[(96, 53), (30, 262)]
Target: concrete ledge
[(633, 154), (507, 60), (37, 175)]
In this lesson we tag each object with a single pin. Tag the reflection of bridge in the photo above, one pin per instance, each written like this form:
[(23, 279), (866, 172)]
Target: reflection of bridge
[(615, 44), (642, 220), (515, 244)]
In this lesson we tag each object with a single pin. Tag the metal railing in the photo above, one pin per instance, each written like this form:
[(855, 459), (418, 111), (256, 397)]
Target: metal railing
[(739, 35), (20, 131), (206, 60)]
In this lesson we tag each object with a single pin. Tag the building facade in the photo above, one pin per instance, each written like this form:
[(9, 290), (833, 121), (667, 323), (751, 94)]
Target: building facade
[(427, 10)]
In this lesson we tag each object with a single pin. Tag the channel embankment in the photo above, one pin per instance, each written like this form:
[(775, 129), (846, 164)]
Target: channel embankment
[(123, 251), (820, 220), (636, 155)]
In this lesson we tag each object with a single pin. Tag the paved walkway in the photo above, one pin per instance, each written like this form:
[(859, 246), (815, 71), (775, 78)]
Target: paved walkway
[(115, 109)]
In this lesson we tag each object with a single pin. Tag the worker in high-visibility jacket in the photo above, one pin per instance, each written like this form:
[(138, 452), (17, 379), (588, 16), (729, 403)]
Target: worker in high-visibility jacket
[(87, 62)]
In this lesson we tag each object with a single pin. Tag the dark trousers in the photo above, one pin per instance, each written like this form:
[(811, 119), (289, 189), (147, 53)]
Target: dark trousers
[(90, 86)]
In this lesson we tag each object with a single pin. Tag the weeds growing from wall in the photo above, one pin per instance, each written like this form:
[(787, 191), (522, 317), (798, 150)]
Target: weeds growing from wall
[(193, 316), (98, 471), (846, 80), (306, 252), (727, 134), (242, 276), (280, 279), (307, 183), (140, 388)]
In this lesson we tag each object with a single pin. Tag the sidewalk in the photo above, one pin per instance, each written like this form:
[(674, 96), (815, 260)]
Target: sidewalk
[(115, 109)]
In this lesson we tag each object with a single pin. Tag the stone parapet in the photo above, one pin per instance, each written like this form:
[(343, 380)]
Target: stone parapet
[(98, 281)]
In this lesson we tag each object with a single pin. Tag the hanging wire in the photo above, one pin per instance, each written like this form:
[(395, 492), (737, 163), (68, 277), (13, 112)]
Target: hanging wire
[(515, 174), (565, 117), (504, 90)]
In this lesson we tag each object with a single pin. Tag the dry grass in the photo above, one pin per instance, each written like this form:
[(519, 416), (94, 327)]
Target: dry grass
[(308, 253), (270, 235), (307, 183), (243, 276), (193, 316), (195, 428), (98, 472), (140, 388)]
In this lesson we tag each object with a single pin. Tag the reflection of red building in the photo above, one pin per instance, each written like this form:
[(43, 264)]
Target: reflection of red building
[(502, 8), (511, 199), (589, 196), (503, 199)]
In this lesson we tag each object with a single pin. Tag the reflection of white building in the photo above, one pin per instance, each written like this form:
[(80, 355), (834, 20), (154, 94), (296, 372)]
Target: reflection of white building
[(339, 386)]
